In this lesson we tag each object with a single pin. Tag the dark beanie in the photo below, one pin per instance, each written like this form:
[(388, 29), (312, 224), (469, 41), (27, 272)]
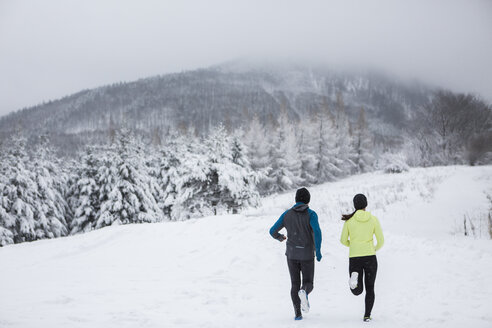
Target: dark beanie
[(303, 195), (360, 202)]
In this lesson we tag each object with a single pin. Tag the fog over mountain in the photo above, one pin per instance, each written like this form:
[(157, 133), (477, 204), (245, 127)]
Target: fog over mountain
[(232, 93), (54, 48)]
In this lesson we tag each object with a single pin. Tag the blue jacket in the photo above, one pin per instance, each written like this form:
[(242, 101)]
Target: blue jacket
[(303, 232)]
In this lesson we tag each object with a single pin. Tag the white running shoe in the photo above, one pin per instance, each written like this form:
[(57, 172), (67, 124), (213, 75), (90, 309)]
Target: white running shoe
[(353, 280), (304, 300)]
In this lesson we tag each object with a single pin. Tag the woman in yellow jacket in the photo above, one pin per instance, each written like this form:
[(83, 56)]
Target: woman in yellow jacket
[(358, 231)]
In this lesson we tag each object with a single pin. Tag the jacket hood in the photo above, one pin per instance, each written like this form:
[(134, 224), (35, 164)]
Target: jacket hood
[(300, 207), (362, 216)]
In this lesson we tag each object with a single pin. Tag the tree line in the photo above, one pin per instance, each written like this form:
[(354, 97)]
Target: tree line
[(130, 181), (133, 180)]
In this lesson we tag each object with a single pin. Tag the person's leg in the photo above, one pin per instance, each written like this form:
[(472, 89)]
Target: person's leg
[(370, 270), (307, 269), (355, 265), (295, 279)]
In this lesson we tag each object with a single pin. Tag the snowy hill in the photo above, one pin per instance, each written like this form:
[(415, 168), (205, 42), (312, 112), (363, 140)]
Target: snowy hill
[(229, 93), (226, 271)]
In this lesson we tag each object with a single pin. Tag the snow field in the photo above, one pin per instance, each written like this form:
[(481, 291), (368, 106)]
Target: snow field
[(226, 271)]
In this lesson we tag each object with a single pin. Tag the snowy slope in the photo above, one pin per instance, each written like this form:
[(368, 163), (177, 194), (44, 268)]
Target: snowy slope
[(228, 272)]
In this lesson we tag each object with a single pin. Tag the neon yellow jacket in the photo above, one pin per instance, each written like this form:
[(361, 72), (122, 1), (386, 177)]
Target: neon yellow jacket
[(358, 234)]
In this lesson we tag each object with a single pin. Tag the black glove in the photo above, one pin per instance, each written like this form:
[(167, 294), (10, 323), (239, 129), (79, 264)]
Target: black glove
[(281, 237)]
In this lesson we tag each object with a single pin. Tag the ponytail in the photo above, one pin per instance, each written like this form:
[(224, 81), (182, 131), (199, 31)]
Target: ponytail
[(346, 217), (360, 203)]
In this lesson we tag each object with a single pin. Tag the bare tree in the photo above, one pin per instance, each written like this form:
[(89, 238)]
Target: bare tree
[(461, 123)]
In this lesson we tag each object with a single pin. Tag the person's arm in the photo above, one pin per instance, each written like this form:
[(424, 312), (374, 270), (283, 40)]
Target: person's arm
[(313, 220), (344, 238), (274, 230), (379, 234)]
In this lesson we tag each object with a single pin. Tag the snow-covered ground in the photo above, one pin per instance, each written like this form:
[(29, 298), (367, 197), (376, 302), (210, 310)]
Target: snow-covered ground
[(227, 271)]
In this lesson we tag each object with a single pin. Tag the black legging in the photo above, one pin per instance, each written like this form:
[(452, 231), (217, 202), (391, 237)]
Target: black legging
[(296, 267), (366, 266)]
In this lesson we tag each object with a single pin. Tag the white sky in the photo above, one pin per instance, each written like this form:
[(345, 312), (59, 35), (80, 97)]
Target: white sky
[(51, 48)]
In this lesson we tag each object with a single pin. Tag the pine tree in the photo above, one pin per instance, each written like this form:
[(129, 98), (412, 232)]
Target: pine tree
[(231, 182), (126, 196), (327, 162), (243, 183), (18, 195), (362, 145), (345, 146), (170, 174), (51, 210), (257, 143), (239, 150), (307, 151), (7, 221), (343, 140), (84, 193), (6, 236), (285, 170), (189, 182)]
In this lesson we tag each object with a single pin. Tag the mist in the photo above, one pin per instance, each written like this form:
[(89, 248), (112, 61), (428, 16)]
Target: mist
[(53, 48)]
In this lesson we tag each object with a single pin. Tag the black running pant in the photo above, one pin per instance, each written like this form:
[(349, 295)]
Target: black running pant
[(367, 267), (296, 267)]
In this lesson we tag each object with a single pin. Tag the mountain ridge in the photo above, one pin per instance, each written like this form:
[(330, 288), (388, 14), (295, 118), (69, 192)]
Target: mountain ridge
[(228, 93)]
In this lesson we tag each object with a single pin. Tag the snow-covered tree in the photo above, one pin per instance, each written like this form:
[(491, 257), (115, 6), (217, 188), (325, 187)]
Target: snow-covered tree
[(188, 181), (285, 163), (363, 144), (6, 236), (345, 145), (242, 180), (7, 221), (393, 163), (327, 162), (51, 210), (84, 193), (125, 193), (18, 195), (231, 183), (343, 140), (307, 151), (173, 175), (199, 177), (257, 143), (239, 149)]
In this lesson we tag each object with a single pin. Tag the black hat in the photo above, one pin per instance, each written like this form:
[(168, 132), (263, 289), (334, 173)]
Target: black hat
[(360, 201), (303, 195)]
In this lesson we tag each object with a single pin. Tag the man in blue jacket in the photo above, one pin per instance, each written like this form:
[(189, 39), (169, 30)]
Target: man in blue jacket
[(303, 241)]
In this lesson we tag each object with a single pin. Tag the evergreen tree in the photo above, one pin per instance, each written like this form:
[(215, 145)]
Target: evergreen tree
[(307, 152), (126, 196), (343, 140), (231, 182), (188, 184), (84, 193), (285, 170), (257, 143), (242, 184), (51, 210), (327, 162), (6, 236), (18, 195), (170, 175), (7, 221), (239, 150), (363, 158)]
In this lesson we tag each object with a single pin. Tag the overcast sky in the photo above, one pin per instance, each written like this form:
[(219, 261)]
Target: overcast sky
[(52, 48)]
